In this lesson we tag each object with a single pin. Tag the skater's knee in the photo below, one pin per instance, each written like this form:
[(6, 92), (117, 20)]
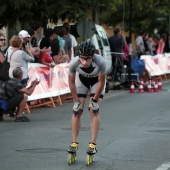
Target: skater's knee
[(78, 114), (94, 114)]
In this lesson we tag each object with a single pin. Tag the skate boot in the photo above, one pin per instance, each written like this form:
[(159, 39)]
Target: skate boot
[(91, 151), (72, 152)]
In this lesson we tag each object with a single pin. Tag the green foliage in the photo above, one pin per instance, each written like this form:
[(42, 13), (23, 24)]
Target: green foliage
[(26, 11), (145, 13)]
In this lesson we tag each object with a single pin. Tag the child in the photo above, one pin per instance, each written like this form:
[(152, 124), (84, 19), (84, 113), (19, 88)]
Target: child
[(45, 57)]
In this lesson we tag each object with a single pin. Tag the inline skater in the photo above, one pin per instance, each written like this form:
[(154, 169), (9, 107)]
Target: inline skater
[(87, 74)]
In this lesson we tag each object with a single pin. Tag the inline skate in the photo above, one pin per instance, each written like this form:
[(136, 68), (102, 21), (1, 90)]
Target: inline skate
[(72, 152), (91, 151)]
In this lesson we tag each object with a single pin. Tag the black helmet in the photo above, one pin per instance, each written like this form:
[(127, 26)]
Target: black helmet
[(86, 48)]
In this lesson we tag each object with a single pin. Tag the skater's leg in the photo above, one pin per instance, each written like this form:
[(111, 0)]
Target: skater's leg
[(76, 123), (75, 126), (95, 124)]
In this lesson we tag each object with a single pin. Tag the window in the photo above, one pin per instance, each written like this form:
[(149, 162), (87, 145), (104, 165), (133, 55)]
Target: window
[(104, 38)]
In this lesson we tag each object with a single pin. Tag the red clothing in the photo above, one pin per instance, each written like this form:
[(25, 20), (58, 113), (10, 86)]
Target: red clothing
[(161, 45), (126, 52), (46, 57)]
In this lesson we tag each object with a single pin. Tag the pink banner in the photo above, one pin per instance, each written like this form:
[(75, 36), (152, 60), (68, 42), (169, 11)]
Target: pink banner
[(157, 65), (54, 81)]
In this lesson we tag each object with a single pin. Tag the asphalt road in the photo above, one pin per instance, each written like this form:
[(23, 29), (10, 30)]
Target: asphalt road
[(134, 135)]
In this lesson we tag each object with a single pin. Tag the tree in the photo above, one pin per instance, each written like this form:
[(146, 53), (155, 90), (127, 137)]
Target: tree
[(25, 11), (145, 14)]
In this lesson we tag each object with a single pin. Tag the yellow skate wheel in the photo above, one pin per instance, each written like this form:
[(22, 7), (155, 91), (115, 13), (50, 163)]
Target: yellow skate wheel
[(75, 157), (70, 159), (88, 160), (93, 158)]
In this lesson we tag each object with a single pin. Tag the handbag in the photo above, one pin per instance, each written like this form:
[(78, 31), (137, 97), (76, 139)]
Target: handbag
[(4, 68)]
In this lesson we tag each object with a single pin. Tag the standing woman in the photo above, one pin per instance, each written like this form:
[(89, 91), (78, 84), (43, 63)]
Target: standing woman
[(19, 58), (2, 57), (57, 55), (161, 44)]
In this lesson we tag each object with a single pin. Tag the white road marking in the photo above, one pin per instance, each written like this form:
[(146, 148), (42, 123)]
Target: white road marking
[(164, 166)]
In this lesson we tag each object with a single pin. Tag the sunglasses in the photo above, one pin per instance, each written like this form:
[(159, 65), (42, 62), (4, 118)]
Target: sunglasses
[(2, 39), (85, 59)]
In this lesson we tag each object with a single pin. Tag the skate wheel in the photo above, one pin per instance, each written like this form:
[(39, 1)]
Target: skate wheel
[(93, 158), (89, 159), (71, 158)]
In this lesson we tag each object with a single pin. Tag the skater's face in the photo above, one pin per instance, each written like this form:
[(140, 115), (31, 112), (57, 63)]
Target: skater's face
[(2, 41), (86, 61)]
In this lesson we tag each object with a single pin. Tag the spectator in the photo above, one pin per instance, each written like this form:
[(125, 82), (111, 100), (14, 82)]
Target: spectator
[(13, 94), (45, 57), (66, 25), (48, 33), (33, 44), (155, 43), (32, 40), (23, 34), (57, 55), (25, 38), (19, 58), (161, 44), (61, 32), (125, 51), (145, 39), (36, 26), (167, 44), (140, 47), (56, 36), (116, 44), (150, 45), (67, 44), (2, 57)]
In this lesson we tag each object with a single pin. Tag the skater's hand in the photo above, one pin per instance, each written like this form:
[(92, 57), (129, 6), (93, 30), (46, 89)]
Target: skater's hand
[(77, 107), (94, 106)]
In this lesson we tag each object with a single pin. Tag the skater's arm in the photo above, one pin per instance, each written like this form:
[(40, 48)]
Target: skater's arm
[(73, 87), (101, 83)]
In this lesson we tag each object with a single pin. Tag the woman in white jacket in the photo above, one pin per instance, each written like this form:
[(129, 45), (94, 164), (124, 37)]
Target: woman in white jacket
[(19, 58)]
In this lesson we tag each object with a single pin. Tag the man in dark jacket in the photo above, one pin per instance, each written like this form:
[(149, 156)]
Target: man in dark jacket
[(13, 94), (116, 44)]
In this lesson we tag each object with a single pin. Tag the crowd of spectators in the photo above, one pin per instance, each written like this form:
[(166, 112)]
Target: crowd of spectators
[(146, 44), (53, 48)]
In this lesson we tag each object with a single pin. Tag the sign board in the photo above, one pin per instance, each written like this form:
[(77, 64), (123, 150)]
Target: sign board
[(86, 29)]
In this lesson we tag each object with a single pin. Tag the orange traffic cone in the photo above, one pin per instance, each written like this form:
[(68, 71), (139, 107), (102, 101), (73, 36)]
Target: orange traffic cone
[(156, 87), (160, 84), (149, 89), (141, 87), (132, 87)]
